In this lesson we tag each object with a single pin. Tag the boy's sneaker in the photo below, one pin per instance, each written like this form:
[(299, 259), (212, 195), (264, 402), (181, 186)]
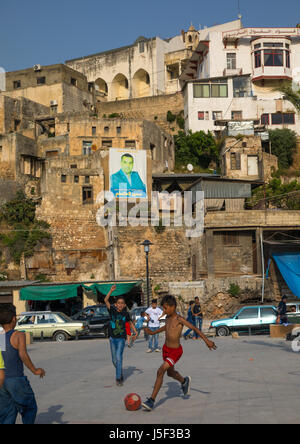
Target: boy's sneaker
[(149, 350), (186, 385), (119, 382), (149, 404), (158, 350)]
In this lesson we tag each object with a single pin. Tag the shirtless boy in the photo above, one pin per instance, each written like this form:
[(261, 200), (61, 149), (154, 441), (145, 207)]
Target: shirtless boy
[(172, 350)]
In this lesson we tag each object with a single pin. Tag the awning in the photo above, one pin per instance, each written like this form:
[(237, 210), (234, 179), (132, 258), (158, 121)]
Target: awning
[(56, 292), (289, 267)]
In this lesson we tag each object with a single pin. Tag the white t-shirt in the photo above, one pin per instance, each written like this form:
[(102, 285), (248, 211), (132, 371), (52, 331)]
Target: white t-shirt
[(154, 314)]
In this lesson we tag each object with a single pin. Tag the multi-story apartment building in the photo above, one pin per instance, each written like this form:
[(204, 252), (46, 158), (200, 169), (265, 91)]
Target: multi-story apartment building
[(236, 75)]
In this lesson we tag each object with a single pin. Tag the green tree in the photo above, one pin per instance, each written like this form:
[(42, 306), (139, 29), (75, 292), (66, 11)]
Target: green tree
[(284, 146), (20, 231), (277, 195), (293, 96), (198, 148)]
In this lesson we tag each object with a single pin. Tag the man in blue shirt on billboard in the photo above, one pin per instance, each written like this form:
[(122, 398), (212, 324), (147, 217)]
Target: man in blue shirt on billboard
[(127, 183)]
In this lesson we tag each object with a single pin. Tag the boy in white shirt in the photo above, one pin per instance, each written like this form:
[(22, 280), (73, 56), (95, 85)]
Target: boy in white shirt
[(155, 313)]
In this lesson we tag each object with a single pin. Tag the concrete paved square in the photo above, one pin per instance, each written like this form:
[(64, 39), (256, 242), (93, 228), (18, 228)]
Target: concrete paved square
[(247, 380)]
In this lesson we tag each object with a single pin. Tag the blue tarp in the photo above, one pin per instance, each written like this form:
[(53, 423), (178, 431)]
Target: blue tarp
[(289, 266)]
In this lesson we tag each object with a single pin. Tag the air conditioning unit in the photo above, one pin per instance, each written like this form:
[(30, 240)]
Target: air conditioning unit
[(37, 67), (53, 102)]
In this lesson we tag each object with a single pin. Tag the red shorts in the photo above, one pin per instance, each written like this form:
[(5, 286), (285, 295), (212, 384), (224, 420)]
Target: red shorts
[(128, 329), (172, 355)]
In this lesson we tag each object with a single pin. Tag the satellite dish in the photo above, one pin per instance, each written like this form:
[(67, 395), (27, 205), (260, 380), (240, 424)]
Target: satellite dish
[(190, 167)]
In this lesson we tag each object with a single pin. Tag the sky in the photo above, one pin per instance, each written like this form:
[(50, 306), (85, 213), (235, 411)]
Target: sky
[(38, 32)]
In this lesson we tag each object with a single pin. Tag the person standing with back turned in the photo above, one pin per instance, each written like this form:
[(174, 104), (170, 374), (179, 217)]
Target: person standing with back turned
[(16, 395)]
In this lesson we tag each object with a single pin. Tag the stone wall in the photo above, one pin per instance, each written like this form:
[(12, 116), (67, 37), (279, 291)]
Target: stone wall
[(153, 109), (169, 257), (215, 298)]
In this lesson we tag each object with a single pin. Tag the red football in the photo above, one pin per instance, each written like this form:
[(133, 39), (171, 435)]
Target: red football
[(132, 401)]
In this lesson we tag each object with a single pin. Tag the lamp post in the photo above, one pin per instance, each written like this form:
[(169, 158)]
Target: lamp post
[(146, 245)]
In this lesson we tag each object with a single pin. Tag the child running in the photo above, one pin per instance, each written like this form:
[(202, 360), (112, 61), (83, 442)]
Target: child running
[(119, 316), (172, 350)]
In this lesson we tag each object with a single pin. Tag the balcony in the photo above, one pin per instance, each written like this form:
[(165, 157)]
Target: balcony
[(271, 73), (227, 72)]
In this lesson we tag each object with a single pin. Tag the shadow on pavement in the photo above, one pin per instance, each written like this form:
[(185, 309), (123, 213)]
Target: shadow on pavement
[(174, 391), (286, 346), (129, 371), (52, 416)]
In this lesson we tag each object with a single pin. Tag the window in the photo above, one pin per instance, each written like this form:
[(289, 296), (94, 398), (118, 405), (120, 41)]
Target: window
[(231, 60), (74, 166), (235, 161), (236, 115), (129, 143), (141, 47), (230, 238), (53, 109), (273, 45), (283, 118), (73, 81), (153, 151), (200, 115), (265, 119), (63, 178), (289, 118), (287, 59), (258, 45), (76, 179), (17, 124), (94, 130), (86, 148), (248, 313), (147, 79), (219, 90), (46, 319), (273, 57), (217, 115), (106, 129), (257, 59), (41, 80), (87, 195), (27, 320), (266, 312), (201, 91), (107, 143), (119, 129), (87, 179), (242, 86), (17, 84)]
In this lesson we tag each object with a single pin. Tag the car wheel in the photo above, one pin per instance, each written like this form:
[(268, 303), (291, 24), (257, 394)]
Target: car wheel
[(60, 336), (223, 331)]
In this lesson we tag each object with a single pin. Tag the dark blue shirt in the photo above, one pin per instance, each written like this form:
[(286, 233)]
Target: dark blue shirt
[(14, 367)]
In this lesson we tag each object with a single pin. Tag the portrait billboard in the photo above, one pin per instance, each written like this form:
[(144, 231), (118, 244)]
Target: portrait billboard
[(128, 173)]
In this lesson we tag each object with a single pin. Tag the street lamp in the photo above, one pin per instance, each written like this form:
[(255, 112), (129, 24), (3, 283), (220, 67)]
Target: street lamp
[(146, 245)]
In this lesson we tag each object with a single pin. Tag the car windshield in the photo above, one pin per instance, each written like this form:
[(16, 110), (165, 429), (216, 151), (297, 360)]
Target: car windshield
[(64, 317)]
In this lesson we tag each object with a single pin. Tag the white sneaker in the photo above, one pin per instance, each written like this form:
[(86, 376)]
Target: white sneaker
[(149, 350), (157, 350)]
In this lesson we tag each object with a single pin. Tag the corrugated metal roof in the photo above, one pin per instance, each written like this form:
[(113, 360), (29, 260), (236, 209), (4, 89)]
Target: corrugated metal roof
[(222, 189)]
